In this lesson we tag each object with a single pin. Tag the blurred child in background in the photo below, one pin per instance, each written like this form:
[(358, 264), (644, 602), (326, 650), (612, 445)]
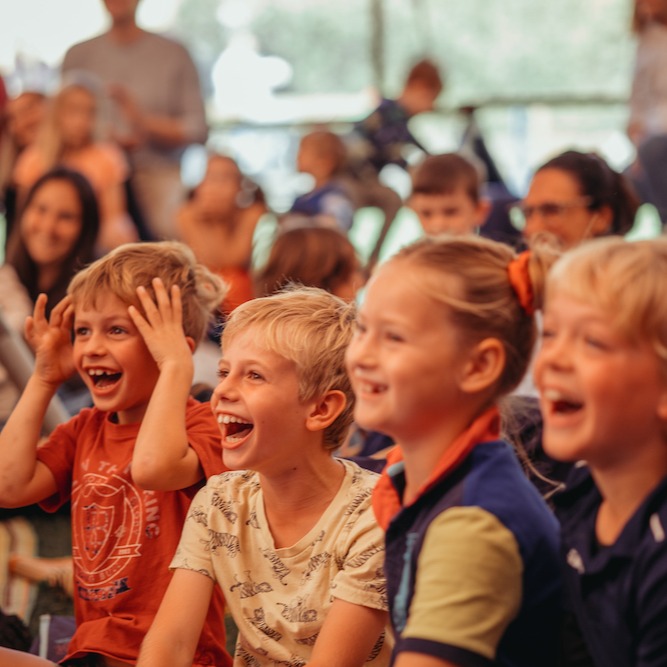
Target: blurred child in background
[(218, 222), (446, 195), (322, 156), (313, 257)]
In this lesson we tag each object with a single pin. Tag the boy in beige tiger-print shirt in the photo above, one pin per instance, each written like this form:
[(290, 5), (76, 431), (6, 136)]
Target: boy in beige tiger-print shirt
[(290, 537)]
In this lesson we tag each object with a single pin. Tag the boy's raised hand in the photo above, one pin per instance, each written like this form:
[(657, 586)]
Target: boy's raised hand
[(51, 340), (162, 327)]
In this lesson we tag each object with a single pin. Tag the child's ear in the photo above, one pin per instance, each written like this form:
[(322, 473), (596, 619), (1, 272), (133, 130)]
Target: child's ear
[(191, 343), (601, 221), (486, 362), (325, 410)]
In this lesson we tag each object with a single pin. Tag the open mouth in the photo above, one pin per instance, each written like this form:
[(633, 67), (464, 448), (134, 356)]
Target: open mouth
[(566, 407), (102, 378), (366, 387), (562, 405), (234, 429)]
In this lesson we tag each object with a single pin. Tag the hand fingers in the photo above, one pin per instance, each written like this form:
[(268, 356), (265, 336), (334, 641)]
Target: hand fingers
[(166, 307), (68, 316), (57, 318), (176, 303), (39, 311), (29, 327), (161, 297), (150, 309), (139, 321)]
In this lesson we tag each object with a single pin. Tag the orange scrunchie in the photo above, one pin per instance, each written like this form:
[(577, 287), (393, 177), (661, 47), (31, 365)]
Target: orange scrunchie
[(521, 283)]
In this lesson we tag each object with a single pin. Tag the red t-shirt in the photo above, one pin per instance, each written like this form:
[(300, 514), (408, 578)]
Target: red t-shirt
[(123, 538)]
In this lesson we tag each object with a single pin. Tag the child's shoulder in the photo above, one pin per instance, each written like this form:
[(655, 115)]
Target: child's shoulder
[(86, 418), (494, 465), (236, 484), (579, 495), (496, 482), (644, 535), (360, 477)]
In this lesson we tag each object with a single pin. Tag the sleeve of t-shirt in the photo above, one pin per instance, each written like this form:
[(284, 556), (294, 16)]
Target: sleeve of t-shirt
[(361, 580), (468, 588), (57, 454), (204, 437)]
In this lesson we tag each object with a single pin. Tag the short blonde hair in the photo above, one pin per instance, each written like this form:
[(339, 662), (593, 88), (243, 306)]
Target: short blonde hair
[(626, 279), (129, 266), (311, 328), (484, 303)]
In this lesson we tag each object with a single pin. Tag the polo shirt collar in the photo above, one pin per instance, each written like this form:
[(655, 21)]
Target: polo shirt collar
[(388, 492)]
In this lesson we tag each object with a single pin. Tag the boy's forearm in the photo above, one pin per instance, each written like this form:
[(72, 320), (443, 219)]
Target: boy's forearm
[(20, 436), (157, 653), (348, 635), (162, 458), (173, 636)]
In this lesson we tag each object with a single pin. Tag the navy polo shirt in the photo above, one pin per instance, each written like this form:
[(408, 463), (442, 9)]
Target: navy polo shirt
[(618, 593), (492, 480)]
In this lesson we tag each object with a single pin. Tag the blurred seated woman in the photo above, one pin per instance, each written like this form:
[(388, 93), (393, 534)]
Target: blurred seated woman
[(70, 136), (577, 196), (218, 222), (54, 236)]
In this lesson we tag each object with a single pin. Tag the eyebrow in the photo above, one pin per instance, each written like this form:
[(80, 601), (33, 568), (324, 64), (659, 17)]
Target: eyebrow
[(106, 320)]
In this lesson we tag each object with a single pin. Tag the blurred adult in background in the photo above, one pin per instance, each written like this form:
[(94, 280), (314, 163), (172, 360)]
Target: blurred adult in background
[(70, 135), (647, 124), (23, 116), (158, 107), (577, 196), (54, 236)]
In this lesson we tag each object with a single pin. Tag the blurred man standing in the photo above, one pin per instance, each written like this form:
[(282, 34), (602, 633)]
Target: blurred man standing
[(158, 108)]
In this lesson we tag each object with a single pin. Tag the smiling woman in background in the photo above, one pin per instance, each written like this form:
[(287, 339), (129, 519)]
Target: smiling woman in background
[(54, 236), (576, 196)]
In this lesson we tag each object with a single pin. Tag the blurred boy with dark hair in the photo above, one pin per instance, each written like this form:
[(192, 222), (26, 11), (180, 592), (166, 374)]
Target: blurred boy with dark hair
[(446, 195)]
